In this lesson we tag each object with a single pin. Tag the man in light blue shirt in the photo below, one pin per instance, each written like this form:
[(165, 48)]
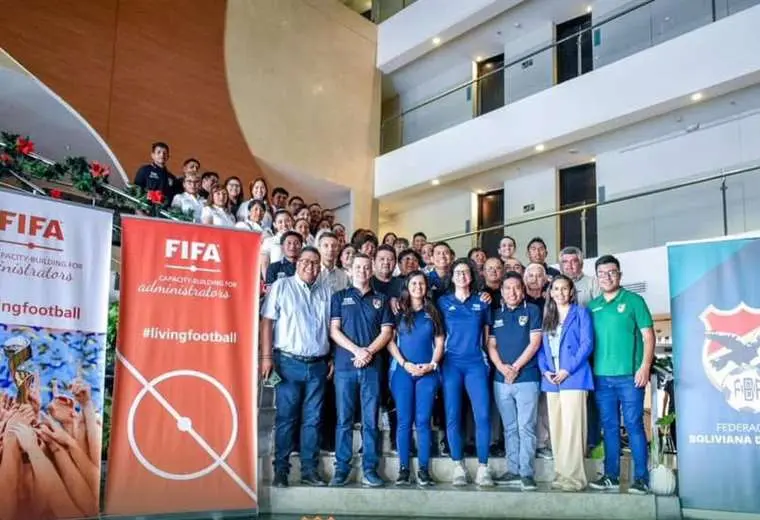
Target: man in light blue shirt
[(294, 343)]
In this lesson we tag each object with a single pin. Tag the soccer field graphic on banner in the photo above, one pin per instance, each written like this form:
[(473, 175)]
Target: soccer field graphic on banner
[(715, 307), (54, 275), (184, 430)]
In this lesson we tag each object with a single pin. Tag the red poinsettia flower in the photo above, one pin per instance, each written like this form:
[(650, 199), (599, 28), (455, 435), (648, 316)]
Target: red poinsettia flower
[(24, 146), (5, 159), (99, 171), (155, 196), (56, 194)]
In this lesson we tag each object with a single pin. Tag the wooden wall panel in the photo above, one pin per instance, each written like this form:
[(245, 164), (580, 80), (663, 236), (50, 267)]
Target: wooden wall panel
[(139, 71), (68, 45)]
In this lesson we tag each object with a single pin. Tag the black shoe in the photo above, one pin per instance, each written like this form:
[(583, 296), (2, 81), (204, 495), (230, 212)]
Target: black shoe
[(508, 479), (280, 479), (403, 477), (528, 484), (423, 478), (639, 487), (605, 483), (313, 480), (496, 450)]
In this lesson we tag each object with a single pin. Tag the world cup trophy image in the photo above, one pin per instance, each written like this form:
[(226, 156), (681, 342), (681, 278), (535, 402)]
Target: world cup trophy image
[(18, 350)]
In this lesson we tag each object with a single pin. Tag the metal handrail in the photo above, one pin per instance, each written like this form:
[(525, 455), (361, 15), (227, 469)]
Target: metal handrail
[(516, 61), (107, 187), (723, 175)]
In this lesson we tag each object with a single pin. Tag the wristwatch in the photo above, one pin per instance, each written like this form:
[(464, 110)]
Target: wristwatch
[(434, 365)]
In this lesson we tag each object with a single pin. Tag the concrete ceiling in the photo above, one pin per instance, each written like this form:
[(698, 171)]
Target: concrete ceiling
[(328, 194), (27, 107)]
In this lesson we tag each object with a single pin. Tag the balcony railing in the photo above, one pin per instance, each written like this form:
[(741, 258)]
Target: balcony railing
[(384, 9), (723, 203), (620, 33)]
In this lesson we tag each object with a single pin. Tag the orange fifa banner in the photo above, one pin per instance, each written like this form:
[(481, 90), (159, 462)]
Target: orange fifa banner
[(183, 436)]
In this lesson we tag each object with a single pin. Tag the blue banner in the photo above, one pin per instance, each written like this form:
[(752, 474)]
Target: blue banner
[(715, 307)]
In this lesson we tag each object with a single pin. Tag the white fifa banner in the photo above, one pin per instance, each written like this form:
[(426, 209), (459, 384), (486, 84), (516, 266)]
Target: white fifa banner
[(54, 282)]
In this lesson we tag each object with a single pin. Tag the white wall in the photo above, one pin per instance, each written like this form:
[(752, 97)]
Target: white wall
[(688, 213), (408, 34), (692, 143), (653, 82), (533, 75), (439, 214), (537, 187), (445, 112)]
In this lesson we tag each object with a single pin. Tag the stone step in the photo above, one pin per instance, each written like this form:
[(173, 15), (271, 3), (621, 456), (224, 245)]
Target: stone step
[(441, 468), (445, 501)]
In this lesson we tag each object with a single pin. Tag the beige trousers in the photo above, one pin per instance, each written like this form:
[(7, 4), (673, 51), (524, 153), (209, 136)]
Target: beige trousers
[(567, 427)]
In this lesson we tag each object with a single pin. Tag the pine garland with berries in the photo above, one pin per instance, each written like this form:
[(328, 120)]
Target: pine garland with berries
[(17, 156)]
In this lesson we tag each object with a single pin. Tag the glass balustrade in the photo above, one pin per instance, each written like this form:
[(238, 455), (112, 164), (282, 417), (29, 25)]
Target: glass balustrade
[(702, 208), (614, 35)]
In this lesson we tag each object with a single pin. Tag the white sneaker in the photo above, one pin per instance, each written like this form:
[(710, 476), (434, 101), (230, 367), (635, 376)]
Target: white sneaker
[(483, 477), (459, 477)]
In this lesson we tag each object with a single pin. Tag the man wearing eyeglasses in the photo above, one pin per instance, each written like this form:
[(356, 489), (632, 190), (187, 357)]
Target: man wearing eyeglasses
[(294, 343), (623, 353)]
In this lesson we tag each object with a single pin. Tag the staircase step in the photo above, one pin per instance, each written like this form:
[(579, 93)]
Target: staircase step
[(441, 468), (444, 501)]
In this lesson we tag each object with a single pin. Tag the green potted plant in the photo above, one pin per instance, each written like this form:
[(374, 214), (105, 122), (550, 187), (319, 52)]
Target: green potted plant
[(662, 479)]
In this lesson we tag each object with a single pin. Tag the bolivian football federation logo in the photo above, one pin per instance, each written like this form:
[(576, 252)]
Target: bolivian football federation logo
[(731, 354)]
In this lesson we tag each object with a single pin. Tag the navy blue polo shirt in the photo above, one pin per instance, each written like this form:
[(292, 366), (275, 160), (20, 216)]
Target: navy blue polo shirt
[(280, 269), (417, 342), (438, 285), (464, 322), (512, 329), (361, 318), (391, 288)]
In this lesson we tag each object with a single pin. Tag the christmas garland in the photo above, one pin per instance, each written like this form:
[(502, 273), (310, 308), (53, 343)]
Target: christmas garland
[(88, 177)]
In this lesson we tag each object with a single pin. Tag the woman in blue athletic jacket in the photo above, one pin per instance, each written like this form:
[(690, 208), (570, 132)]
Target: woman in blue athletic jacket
[(465, 368), (416, 350)]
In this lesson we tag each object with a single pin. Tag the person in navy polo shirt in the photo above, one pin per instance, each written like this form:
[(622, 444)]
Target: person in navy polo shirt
[(361, 324), (416, 352), (464, 367), (515, 339)]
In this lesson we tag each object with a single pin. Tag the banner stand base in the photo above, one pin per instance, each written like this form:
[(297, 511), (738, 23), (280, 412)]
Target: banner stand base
[(706, 514), (233, 514)]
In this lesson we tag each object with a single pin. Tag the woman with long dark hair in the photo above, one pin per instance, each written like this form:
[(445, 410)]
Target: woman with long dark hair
[(465, 368), (234, 187), (568, 340), (417, 350)]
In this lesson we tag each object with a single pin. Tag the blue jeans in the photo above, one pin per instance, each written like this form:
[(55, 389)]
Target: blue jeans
[(474, 378), (359, 386), (611, 393), (518, 407), (298, 398), (414, 397), (593, 425)]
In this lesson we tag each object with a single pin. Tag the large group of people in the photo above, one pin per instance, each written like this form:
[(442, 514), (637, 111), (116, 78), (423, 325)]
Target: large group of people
[(360, 329)]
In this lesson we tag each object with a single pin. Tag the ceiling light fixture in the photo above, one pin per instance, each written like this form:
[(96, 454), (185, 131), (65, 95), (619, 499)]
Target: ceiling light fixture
[(435, 182), (540, 147), (697, 96), (436, 41), (478, 58), (588, 8)]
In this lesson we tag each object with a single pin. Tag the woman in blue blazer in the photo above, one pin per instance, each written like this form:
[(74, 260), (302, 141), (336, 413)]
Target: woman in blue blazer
[(563, 359)]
